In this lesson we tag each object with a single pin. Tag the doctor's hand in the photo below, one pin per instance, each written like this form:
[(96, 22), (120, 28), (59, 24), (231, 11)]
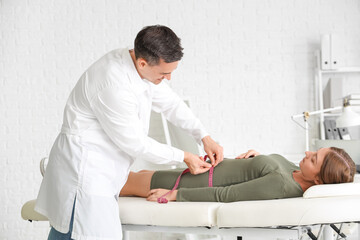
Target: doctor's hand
[(250, 153), (196, 164), (213, 150)]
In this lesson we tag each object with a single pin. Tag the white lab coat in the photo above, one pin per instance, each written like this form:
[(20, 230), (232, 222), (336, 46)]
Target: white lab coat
[(105, 127)]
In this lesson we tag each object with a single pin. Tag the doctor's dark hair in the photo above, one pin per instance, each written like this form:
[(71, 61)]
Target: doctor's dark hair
[(337, 167), (158, 42)]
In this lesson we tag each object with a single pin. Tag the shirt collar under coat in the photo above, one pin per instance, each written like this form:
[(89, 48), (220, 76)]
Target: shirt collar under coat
[(140, 85)]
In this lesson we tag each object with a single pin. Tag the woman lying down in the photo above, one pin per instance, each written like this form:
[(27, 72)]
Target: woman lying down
[(250, 176)]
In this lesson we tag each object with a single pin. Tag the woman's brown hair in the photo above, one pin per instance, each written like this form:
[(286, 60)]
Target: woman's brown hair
[(338, 167)]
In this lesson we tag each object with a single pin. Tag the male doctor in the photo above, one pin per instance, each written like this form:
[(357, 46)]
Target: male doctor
[(105, 127)]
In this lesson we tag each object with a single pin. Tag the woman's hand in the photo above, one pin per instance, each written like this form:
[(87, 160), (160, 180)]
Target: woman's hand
[(154, 194), (250, 153)]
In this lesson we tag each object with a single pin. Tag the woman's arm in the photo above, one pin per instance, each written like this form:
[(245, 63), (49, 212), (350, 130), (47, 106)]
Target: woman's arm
[(267, 187), (270, 186)]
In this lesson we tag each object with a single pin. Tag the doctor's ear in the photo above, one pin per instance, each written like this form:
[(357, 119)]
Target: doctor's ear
[(142, 62)]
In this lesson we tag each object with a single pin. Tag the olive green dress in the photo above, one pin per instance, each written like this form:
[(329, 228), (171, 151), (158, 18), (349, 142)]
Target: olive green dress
[(260, 178)]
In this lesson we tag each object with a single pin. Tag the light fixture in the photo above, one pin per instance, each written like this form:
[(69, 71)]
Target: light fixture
[(348, 118)]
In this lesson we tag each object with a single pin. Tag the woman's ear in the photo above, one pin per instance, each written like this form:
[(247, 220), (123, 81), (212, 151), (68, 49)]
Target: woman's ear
[(317, 180)]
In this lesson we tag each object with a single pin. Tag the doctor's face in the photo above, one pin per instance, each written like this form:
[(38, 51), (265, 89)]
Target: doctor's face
[(311, 164), (156, 73)]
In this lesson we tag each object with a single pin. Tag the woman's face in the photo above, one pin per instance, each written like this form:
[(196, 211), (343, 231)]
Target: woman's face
[(311, 164)]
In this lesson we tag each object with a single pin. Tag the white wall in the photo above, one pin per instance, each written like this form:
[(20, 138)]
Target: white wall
[(248, 67)]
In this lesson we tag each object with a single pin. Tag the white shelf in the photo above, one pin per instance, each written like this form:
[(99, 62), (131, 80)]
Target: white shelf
[(319, 74), (341, 70)]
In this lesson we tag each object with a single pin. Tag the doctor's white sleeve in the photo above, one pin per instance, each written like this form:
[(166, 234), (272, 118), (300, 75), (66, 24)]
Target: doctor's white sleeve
[(117, 111), (165, 100)]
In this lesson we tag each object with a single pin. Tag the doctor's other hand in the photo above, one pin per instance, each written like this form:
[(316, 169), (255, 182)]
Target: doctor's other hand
[(250, 153), (213, 150), (196, 164)]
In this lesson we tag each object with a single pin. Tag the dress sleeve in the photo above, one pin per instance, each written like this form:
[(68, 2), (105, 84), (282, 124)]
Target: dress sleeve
[(115, 107), (166, 101), (270, 186)]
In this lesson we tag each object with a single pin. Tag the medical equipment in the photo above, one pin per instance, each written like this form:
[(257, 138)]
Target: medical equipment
[(347, 119)]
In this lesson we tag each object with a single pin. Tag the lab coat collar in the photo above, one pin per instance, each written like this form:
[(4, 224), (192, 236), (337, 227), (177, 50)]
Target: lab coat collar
[(140, 84)]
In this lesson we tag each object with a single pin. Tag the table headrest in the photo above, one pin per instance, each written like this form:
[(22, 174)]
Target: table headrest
[(333, 190)]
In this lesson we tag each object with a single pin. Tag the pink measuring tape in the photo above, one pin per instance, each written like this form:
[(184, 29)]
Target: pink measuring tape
[(162, 199)]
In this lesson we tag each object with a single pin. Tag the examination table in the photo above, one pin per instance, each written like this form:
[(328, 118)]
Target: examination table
[(318, 214)]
